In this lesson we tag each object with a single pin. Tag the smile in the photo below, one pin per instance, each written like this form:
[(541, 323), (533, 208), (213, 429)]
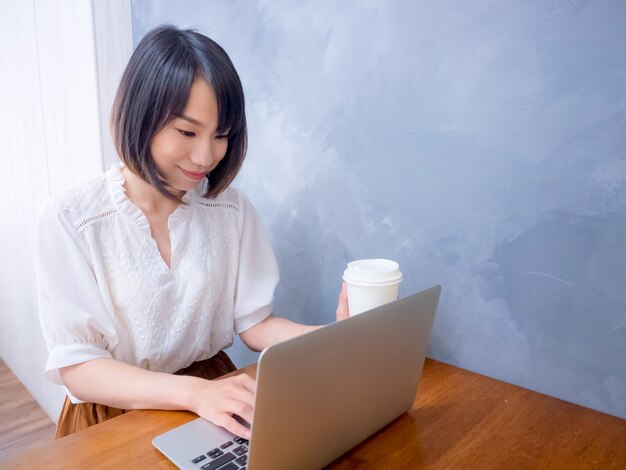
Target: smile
[(194, 176)]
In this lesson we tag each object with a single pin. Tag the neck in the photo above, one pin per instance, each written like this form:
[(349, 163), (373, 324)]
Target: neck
[(145, 196)]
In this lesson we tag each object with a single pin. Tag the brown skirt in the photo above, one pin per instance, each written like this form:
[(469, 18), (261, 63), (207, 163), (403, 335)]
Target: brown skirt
[(77, 416)]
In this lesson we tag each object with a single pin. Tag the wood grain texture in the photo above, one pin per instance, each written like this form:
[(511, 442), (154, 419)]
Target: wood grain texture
[(23, 424), (459, 420), (465, 420)]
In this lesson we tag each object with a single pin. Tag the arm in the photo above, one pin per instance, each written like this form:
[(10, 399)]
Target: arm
[(273, 329), (117, 384)]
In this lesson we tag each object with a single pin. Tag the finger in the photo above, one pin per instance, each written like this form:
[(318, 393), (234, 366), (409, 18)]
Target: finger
[(343, 309), (231, 424), (243, 395), (240, 387), (239, 408)]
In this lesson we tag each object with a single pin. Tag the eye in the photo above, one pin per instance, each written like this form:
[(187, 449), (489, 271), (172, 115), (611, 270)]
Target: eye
[(222, 134), (186, 133)]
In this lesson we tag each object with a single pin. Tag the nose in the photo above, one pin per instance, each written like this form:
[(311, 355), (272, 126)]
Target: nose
[(205, 154)]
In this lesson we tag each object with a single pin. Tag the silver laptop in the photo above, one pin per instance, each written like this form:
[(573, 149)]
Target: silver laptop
[(320, 394)]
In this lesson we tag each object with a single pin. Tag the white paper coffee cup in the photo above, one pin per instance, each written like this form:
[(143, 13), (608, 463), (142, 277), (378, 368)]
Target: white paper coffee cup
[(371, 283)]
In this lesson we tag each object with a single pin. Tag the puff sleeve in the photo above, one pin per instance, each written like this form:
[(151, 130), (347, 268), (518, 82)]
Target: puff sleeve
[(257, 274), (73, 317)]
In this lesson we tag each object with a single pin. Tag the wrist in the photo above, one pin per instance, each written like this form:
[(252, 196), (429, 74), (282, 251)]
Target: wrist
[(189, 392)]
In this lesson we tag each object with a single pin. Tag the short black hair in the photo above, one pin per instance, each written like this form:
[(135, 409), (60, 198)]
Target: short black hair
[(154, 90)]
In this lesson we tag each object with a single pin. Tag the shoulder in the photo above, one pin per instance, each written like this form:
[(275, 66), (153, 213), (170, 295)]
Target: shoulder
[(83, 201)]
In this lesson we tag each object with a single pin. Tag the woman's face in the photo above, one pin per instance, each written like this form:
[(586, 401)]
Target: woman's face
[(189, 146)]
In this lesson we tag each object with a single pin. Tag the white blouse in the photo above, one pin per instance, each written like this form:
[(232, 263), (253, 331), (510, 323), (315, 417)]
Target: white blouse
[(105, 291)]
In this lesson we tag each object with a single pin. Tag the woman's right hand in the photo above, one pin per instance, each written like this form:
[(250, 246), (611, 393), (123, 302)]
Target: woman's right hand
[(218, 400), (115, 383)]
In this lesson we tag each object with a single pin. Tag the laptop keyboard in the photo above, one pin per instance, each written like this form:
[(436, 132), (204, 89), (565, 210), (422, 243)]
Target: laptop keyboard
[(232, 455)]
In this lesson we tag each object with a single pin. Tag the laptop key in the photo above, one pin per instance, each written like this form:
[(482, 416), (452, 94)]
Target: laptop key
[(240, 440), (230, 466), (200, 458), (239, 450), (221, 460), (242, 460), (215, 453), (226, 444)]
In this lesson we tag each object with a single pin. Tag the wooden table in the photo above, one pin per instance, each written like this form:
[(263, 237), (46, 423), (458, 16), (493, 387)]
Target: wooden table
[(459, 420)]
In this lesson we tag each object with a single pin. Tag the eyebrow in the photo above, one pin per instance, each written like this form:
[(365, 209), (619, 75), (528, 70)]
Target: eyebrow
[(190, 119)]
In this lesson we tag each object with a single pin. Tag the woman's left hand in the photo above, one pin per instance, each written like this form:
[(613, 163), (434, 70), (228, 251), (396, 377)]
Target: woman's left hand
[(343, 310)]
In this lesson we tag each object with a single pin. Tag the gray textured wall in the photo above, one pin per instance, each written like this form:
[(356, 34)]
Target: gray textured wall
[(481, 144)]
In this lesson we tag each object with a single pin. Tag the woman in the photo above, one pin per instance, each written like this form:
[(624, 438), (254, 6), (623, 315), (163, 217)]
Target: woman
[(147, 272)]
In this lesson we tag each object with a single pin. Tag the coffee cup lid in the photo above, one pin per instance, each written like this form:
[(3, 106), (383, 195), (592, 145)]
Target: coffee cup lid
[(373, 272)]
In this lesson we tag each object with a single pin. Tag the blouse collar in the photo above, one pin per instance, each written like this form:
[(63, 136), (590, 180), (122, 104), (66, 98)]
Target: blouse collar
[(124, 205)]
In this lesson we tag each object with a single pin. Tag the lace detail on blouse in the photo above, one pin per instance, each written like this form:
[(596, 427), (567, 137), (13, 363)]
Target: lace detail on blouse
[(83, 223), (218, 204)]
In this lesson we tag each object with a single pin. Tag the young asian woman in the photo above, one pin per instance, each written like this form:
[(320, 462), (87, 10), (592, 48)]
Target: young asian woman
[(148, 271)]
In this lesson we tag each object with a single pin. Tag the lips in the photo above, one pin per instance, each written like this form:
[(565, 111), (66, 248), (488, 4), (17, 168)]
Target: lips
[(193, 175)]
